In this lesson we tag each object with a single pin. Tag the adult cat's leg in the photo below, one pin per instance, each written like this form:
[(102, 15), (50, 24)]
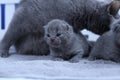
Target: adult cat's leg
[(16, 30)]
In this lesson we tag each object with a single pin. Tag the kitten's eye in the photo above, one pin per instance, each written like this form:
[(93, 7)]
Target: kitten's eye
[(48, 35), (58, 34)]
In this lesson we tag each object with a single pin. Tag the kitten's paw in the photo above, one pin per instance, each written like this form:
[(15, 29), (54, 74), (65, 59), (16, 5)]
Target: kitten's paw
[(73, 60), (57, 59), (91, 58)]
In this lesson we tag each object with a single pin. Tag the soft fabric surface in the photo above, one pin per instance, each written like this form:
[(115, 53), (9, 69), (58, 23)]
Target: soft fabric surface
[(43, 68)]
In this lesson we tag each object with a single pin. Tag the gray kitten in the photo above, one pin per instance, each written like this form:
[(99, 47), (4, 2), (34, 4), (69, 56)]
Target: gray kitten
[(108, 45), (63, 42)]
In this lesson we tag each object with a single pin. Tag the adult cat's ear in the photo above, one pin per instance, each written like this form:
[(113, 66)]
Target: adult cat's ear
[(113, 8)]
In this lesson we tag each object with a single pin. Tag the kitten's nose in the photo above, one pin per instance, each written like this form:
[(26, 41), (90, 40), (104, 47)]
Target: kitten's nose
[(52, 39)]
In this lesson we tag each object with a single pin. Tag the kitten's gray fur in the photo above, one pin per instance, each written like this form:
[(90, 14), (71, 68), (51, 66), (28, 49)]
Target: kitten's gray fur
[(108, 45), (67, 44), (26, 31)]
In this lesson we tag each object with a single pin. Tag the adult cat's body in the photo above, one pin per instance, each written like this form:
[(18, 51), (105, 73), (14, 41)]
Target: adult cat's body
[(63, 42), (108, 45), (26, 28)]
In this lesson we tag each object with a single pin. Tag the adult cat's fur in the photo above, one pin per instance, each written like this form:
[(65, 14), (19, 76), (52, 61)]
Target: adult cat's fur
[(26, 31), (63, 42), (108, 45)]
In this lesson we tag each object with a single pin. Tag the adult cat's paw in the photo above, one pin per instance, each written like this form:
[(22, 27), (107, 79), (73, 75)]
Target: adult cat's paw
[(4, 54)]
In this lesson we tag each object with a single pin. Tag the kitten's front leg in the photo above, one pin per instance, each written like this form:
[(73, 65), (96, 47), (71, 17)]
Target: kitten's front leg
[(55, 55), (77, 57), (56, 58)]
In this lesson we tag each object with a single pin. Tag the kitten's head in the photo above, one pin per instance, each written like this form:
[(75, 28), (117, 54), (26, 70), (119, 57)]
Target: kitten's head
[(57, 32)]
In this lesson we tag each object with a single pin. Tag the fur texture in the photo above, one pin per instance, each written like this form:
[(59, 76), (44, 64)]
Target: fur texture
[(26, 31)]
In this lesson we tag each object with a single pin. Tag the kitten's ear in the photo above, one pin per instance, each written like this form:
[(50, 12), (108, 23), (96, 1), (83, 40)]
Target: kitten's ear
[(69, 28), (113, 8)]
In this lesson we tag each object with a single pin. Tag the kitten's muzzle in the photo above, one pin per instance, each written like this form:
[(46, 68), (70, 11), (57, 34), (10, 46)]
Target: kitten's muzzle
[(52, 40)]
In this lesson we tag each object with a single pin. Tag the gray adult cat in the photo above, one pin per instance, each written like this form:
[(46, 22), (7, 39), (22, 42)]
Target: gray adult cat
[(108, 45), (64, 42), (26, 31)]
